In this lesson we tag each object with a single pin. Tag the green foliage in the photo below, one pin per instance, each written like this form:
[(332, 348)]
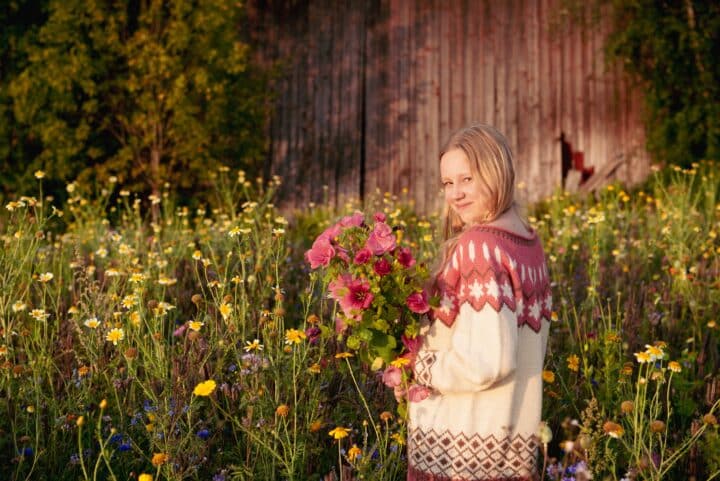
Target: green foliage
[(148, 91), (671, 49)]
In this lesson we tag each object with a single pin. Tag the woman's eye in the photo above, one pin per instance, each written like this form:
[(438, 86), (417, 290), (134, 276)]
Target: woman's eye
[(467, 179)]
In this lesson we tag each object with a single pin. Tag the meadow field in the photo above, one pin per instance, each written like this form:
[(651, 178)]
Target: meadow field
[(143, 339)]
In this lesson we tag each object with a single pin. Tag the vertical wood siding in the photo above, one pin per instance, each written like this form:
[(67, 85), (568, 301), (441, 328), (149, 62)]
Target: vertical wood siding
[(370, 89)]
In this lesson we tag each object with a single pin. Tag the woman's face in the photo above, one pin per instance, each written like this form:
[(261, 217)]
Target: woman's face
[(464, 192)]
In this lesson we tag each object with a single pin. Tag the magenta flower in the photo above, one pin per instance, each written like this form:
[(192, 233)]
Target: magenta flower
[(412, 344), (379, 217), (362, 256), (355, 220), (381, 239), (382, 267), (405, 257), (353, 295), (417, 393), (418, 302), (358, 297), (321, 253), (392, 376)]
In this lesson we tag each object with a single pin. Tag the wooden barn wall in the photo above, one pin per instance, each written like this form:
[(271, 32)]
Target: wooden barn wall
[(370, 89)]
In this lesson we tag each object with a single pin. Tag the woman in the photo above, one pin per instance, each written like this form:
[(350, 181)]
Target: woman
[(482, 355)]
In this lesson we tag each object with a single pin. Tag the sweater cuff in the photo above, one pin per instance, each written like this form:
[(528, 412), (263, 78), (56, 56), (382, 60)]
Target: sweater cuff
[(423, 362)]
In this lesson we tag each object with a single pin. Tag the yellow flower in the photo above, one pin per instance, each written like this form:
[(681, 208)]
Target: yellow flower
[(613, 430), (316, 425), (137, 277), (353, 453), (164, 280), (145, 477), (294, 336), (83, 371), (115, 335), (39, 174), (19, 306), (3, 350), (39, 314), (197, 255), (253, 346), (80, 421), (627, 406), (548, 377), (400, 362), (674, 366), (92, 323), (642, 357), (205, 388), (282, 410), (398, 438), (554, 316), (160, 459), (103, 404), (225, 310), (343, 355), (573, 363), (314, 369), (339, 432), (135, 318), (195, 325), (46, 276), (654, 352)]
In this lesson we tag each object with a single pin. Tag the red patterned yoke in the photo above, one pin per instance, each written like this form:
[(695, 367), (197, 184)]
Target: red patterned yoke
[(484, 362)]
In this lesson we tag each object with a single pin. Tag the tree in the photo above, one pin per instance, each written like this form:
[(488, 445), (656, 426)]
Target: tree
[(146, 90), (670, 47), (20, 20)]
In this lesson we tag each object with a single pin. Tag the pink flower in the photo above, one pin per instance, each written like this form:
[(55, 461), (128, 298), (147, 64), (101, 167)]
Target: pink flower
[(392, 376), (330, 233), (417, 393), (355, 220), (321, 253), (379, 217), (412, 344), (418, 302), (342, 254), (180, 330), (338, 287), (405, 257), (362, 256), (381, 239), (382, 267), (353, 295)]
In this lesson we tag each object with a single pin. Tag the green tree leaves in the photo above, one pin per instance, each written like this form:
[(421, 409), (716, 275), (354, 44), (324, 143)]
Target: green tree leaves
[(153, 92)]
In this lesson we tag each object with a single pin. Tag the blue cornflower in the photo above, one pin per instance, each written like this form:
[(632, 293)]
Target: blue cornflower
[(124, 447), (203, 434)]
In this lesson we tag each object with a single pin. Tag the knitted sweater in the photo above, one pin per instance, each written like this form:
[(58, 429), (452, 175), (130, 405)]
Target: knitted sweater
[(482, 357)]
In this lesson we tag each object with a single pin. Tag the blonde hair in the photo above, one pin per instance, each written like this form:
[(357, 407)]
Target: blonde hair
[(491, 161)]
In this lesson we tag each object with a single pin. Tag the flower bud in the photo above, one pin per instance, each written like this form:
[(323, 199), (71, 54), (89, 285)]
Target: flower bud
[(657, 426)]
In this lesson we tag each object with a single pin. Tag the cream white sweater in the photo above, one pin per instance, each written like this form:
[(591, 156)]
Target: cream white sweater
[(483, 358)]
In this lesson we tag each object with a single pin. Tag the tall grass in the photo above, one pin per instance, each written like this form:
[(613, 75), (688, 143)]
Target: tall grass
[(109, 320)]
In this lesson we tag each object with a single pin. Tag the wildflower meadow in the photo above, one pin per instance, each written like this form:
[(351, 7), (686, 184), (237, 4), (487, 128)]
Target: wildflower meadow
[(142, 339)]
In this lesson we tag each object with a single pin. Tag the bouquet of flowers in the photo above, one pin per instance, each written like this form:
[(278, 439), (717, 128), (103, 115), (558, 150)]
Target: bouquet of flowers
[(378, 287)]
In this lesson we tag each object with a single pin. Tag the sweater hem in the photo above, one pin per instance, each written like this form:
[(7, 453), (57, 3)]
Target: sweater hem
[(418, 475)]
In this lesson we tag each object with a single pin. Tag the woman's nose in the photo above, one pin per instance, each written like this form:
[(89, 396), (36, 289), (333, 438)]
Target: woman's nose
[(456, 193)]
